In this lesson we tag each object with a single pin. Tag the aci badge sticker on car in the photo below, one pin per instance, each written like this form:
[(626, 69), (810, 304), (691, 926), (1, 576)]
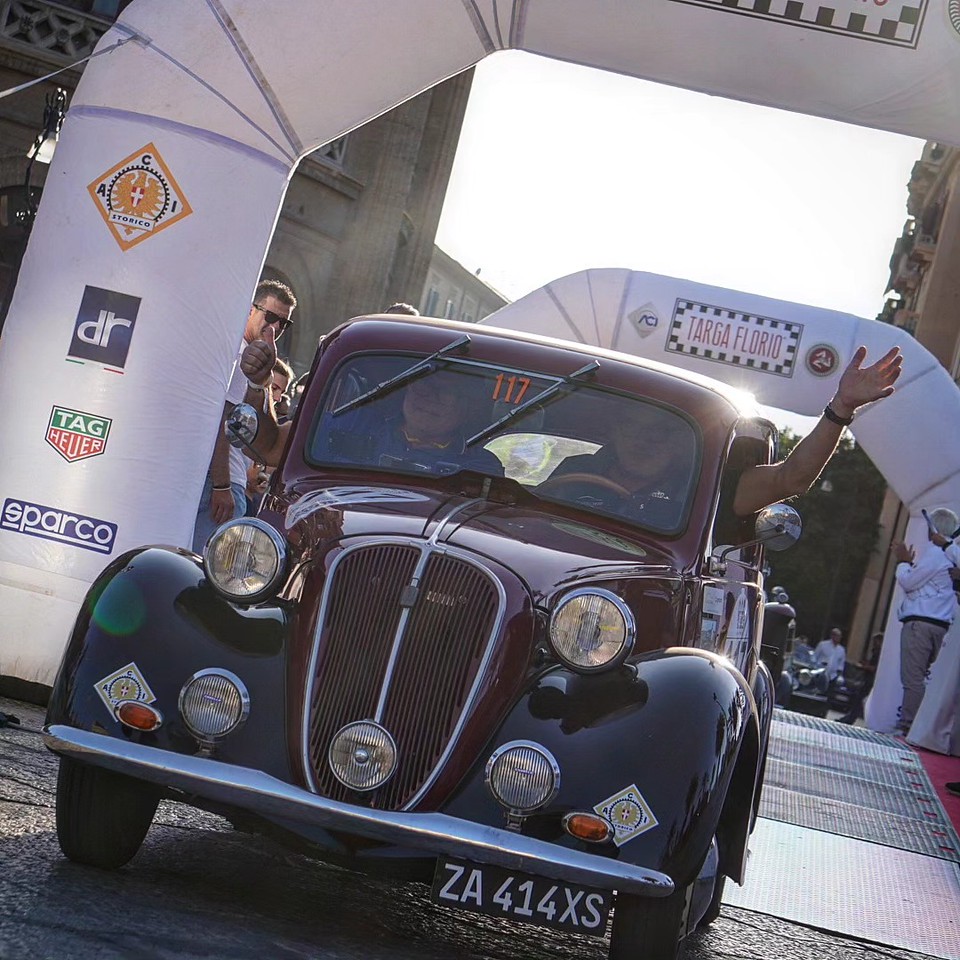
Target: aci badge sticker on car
[(61, 526), (127, 683), (628, 813)]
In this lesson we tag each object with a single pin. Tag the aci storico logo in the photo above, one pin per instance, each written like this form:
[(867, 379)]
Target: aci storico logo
[(61, 526), (104, 328)]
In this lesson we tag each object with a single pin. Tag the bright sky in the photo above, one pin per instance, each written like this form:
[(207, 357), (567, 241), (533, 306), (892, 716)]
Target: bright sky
[(563, 168)]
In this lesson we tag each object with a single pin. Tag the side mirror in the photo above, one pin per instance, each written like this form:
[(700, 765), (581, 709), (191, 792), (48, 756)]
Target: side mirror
[(778, 527), (241, 427)]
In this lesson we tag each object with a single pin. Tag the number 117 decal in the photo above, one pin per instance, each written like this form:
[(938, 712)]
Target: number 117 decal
[(510, 388)]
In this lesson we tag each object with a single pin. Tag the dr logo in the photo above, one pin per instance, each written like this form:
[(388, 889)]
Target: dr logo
[(104, 326)]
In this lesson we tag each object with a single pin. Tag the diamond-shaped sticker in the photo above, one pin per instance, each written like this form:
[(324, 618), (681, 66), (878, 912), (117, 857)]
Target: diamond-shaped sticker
[(139, 197), (628, 813), (127, 683)]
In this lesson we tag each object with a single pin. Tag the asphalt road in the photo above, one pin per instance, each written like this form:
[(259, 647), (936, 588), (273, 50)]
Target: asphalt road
[(200, 889)]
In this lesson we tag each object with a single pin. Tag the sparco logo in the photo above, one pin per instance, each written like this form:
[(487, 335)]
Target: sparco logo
[(49, 523)]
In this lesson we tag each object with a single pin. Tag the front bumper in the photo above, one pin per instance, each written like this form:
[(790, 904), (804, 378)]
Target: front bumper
[(434, 833)]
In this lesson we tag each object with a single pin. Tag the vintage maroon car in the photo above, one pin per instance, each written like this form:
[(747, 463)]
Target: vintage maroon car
[(524, 663)]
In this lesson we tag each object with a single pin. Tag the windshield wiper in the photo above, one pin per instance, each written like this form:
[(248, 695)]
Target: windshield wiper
[(544, 395), (411, 373)]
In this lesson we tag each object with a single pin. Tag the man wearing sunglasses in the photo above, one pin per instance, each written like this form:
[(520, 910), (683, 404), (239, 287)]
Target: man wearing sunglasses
[(224, 490)]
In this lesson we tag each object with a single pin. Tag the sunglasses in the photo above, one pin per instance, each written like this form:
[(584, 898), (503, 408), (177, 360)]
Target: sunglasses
[(274, 319)]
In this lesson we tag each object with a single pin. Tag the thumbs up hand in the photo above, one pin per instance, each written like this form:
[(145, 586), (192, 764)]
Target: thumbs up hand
[(258, 358)]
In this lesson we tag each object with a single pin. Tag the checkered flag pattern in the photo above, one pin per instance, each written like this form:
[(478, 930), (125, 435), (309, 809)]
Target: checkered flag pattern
[(735, 349), (891, 21)]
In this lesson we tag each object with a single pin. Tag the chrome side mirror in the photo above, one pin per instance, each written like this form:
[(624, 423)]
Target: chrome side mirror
[(778, 526), (241, 427)]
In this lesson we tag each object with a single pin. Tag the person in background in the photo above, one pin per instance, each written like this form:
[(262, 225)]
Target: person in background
[(403, 308), (224, 491), (258, 474), (926, 610), (869, 668), (831, 654)]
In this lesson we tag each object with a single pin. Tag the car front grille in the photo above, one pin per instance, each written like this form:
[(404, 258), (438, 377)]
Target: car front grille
[(413, 674)]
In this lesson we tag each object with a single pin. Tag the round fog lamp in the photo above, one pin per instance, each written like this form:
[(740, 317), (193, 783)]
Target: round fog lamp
[(245, 560), (213, 703), (362, 755), (592, 629), (523, 776)]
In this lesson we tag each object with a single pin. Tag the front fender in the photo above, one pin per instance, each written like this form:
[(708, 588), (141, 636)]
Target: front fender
[(154, 611), (673, 728)]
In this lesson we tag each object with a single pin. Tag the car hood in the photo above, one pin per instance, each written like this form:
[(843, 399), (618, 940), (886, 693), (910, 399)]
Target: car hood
[(545, 546)]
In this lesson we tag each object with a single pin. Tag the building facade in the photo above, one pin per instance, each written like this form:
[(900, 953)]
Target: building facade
[(356, 231), (924, 299)]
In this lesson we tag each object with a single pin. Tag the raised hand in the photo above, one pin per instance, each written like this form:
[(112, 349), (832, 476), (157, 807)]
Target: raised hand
[(860, 385), (258, 358)]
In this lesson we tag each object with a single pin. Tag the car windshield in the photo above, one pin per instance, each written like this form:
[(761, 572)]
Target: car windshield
[(569, 442)]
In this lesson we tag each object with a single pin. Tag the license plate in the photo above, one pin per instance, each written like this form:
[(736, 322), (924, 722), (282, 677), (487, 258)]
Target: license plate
[(497, 892)]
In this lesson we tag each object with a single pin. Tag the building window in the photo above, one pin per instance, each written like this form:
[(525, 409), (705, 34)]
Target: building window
[(449, 310), (431, 304), (332, 152)]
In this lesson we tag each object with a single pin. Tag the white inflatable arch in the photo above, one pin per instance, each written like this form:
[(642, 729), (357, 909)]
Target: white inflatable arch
[(173, 162)]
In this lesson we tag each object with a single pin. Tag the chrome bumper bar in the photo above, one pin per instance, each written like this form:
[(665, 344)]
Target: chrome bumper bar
[(435, 833)]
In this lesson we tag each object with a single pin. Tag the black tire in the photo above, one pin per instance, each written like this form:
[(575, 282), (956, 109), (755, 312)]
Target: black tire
[(713, 911), (102, 817), (647, 928)]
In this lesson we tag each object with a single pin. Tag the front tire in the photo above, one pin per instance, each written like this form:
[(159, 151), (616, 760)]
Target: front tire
[(647, 928), (102, 817)]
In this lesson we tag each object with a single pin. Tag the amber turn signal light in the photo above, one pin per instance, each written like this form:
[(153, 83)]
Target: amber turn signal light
[(138, 716), (589, 827)]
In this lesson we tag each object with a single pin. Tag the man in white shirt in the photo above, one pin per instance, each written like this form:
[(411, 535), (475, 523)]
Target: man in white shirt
[(926, 610), (832, 654), (224, 490)]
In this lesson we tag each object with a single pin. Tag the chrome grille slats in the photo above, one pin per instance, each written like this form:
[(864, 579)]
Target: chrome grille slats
[(360, 621), (443, 645), (422, 668)]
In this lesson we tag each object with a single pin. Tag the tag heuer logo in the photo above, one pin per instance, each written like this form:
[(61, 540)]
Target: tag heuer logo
[(76, 435), (139, 197)]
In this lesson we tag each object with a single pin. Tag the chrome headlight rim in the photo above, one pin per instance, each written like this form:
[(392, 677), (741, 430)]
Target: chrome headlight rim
[(241, 687), (529, 745), (629, 622), (273, 584), (385, 733)]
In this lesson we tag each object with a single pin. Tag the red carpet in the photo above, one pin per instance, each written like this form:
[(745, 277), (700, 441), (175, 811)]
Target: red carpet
[(942, 769)]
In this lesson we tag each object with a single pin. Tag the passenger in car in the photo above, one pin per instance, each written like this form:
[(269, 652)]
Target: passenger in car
[(648, 462)]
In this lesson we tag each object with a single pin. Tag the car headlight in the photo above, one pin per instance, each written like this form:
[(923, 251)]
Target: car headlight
[(213, 703), (245, 559), (523, 776), (362, 755), (592, 629)]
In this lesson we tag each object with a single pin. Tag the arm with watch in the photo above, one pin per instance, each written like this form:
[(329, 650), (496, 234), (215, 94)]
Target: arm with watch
[(762, 485)]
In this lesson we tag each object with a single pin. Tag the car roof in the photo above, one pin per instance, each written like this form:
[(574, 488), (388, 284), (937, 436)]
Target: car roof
[(743, 403)]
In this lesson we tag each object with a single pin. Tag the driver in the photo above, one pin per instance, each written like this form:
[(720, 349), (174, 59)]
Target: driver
[(432, 427)]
